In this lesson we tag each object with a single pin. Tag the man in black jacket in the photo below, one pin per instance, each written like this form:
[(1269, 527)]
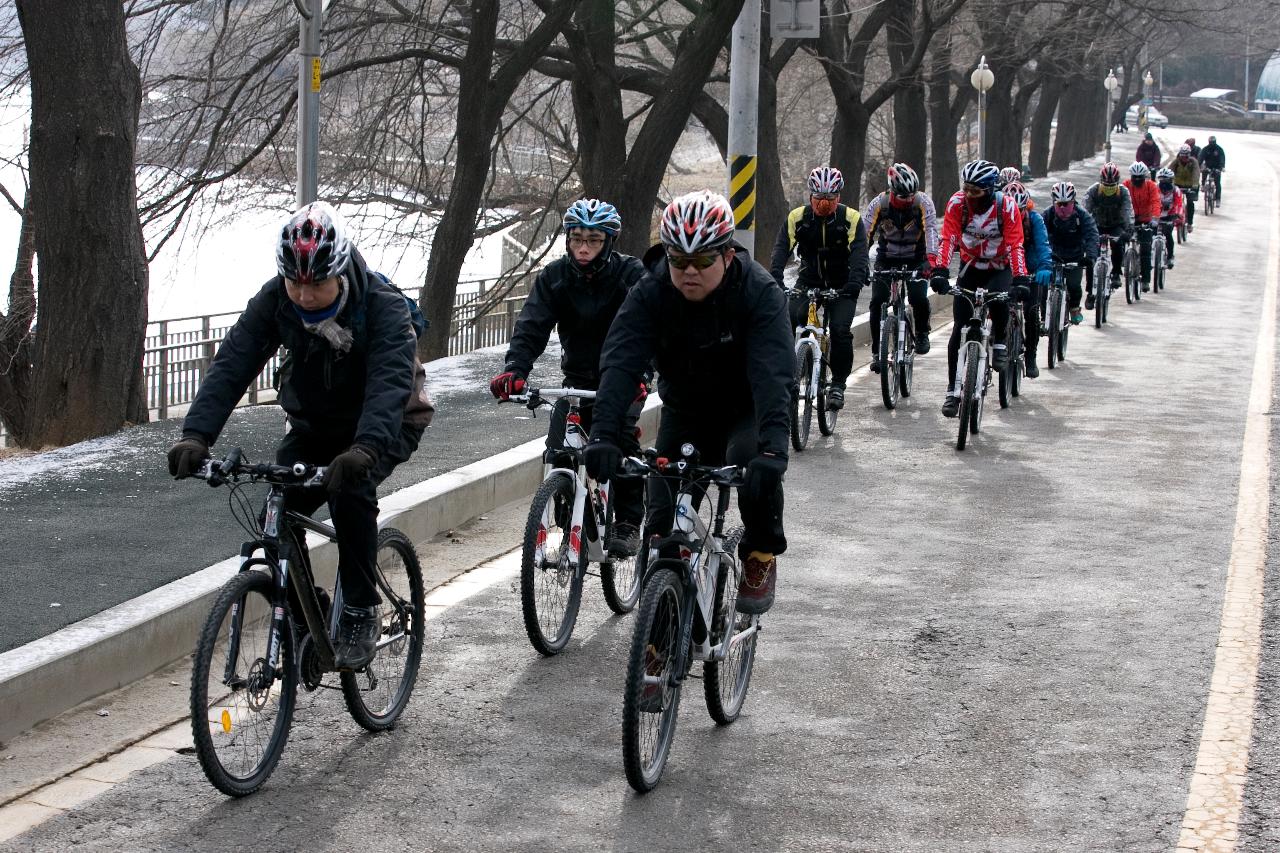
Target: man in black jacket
[(352, 388), (715, 325), (832, 243), (1213, 159), (579, 294)]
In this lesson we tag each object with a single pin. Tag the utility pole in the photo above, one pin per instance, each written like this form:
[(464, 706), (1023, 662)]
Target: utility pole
[(309, 27), (744, 109)]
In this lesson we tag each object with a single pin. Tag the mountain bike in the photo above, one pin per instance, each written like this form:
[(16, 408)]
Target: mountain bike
[(897, 353), (1189, 196), (1056, 317), (1209, 185), (570, 521), (270, 630), (1010, 380), (973, 366), (1159, 259), (1102, 281), (1131, 268), (687, 613), (813, 372)]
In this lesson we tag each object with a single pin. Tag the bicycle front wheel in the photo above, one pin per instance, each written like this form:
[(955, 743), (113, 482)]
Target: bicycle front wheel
[(377, 695), (968, 394), (725, 681), (802, 409), (1054, 325), (651, 698), (906, 367), (550, 585), (827, 416), (241, 709), (888, 358), (620, 576)]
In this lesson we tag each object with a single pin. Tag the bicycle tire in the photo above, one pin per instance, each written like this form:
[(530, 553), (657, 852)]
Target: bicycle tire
[(967, 393), (620, 576), (980, 399), (1054, 328), (802, 406), (549, 622), (1182, 233), (1062, 342), (1019, 366), (403, 612), (826, 417), (648, 731), (211, 736), (1130, 279), (907, 369), (1157, 263), (725, 683), (888, 353), (1101, 289), (1209, 202)]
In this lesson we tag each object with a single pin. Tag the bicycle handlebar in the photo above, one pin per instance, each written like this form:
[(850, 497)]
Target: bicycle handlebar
[(535, 397), (232, 467), (906, 273), (819, 292), (685, 468)]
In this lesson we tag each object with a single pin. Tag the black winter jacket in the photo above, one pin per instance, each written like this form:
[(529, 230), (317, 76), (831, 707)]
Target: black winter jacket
[(581, 307), (833, 250), (1213, 157), (1074, 237), (366, 393), (726, 356)]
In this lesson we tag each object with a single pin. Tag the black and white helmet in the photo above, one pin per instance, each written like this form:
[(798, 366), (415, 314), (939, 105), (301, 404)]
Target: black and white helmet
[(903, 180), (697, 222), (313, 244), (1139, 170), (980, 173), (1063, 191), (825, 180)]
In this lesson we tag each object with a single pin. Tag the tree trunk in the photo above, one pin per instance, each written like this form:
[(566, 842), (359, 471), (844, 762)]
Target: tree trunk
[(597, 100), (1078, 109), (849, 147), (1042, 124), (945, 115), (1004, 137), (771, 195), (15, 334), (910, 116), (85, 97)]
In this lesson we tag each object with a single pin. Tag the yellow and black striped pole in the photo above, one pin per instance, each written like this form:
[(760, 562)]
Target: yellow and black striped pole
[(744, 85)]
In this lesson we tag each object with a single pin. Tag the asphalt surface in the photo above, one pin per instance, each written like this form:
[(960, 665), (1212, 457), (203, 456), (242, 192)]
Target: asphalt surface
[(1007, 648)]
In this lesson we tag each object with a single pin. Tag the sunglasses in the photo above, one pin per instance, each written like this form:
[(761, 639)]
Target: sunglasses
[(970, 189), (824, 196), (683, 262)]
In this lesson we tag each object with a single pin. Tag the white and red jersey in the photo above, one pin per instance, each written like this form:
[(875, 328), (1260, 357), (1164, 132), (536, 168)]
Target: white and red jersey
[(1171, 204), (988, 240)]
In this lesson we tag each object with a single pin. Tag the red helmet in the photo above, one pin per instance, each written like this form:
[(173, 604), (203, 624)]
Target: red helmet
[(1109, 174), (313, 244), (697, 222)]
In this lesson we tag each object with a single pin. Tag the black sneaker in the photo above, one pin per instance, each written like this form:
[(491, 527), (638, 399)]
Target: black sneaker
[(1146, 287), (835, 399), (1115, 282), (1088, 302), (1032, 370), (1169, 265), (358, 629), (950, 406), (922, 343), (625, 541), (875, 365), (1000, 357)]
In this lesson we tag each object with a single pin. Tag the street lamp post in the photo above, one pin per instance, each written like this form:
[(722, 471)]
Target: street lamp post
[(982, 79), (1144, 117), (1111, 84)]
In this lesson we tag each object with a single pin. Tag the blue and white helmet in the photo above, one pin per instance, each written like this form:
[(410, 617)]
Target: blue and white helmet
[(591, 213), (980, 173)]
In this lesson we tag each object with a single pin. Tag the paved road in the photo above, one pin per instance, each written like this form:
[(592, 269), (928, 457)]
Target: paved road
[(1003, 649)]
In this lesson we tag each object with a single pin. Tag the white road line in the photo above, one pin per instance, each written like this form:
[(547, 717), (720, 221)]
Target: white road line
[(1212, 818)]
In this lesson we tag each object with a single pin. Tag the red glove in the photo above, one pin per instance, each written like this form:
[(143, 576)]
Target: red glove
[(642, 393), (505, 384)]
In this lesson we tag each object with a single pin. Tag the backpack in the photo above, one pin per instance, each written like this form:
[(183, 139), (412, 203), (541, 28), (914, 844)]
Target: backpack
[(420, 322)]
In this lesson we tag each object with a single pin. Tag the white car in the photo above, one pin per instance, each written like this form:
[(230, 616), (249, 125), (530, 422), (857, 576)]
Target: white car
[(1155, 118)]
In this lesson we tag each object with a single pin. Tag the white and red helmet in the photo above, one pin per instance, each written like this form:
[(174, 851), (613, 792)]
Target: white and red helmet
[(697, 222), (903, 180), (825, 180)]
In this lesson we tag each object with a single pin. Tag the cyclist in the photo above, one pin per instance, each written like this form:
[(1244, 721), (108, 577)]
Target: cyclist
[(352, 388), (579, 294), (1213, 160), (1186, 177), (1172, 211), (1145, 199), (1195, 149), (1148, 152), (832, 243), (1035, 245), (903, 221), (1073, 238), (1108, 202), (715, 326), (986, 227), (1008, 175)]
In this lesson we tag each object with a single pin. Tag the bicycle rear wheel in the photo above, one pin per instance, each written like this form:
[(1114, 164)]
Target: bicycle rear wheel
[(802, 408), (1157, 263), (906, 369), (241, 711), (968, 394), (377, 695), (1209, 202), (725, 682), (1052, 317), (1062, 342), (550, 587), (888, 358), (827, 417), (1130, 279), (651, 699), (619, 576)]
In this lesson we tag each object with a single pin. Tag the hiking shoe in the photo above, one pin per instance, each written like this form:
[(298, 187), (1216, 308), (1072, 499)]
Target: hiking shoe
[(651, 695), (1169, 264), (922, 343), (1000, 357), (1146, 287), (951, 405), (625, 541), (1115, 282), (1076, 316), (835, 399), (1088, 303), (358, 629), (876, 366), (755, 590), (1032, 370)]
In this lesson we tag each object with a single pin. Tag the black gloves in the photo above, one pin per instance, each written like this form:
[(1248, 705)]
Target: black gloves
[(602, 458), (185, 456), (939, 280), (763, 477), (349, 467), (1021, 287)]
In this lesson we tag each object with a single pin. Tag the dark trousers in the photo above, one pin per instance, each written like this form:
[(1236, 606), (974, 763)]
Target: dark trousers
[(628, 492), (1117, 256), (1144, 253), (1167, 228), (721, 439), (1031, 314), (1072, 281), (1189, 195), (840, 316), (917, 295), (998, 281), (354, 510)]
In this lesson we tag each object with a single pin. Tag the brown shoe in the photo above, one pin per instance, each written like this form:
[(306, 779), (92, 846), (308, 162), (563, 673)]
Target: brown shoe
[(755, 591)]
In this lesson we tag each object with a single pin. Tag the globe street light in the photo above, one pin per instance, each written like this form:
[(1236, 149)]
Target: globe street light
[(982, 79), (1111, 83), (1144, 119)]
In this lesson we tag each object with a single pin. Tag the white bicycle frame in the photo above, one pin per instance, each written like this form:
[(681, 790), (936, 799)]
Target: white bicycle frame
[(808, 337), (1060, 285), (962, 362)]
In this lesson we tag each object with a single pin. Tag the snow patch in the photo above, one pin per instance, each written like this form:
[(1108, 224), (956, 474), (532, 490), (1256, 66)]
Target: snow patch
[(70, 462)]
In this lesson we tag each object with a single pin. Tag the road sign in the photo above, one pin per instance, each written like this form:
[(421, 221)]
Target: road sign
[(794, 19)]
